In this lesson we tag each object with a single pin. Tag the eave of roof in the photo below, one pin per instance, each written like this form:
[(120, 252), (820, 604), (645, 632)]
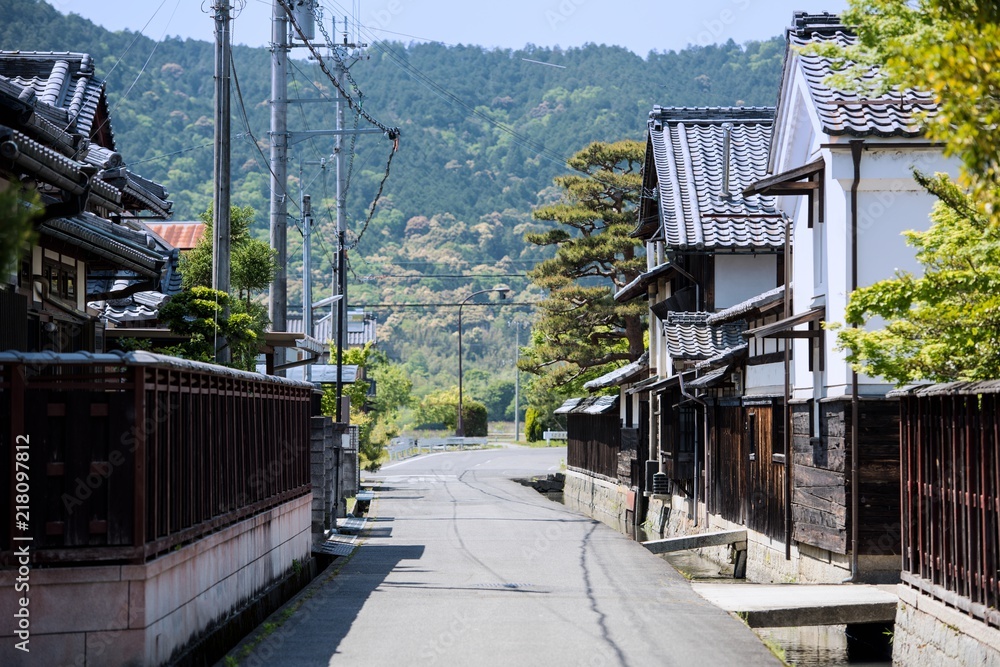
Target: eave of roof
[(777, 329), (638, 286), (620, 375), (756, 303)]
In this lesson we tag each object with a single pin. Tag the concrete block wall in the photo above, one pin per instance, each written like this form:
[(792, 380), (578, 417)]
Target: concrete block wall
[(598, 498), (323, 476), (142, 615)]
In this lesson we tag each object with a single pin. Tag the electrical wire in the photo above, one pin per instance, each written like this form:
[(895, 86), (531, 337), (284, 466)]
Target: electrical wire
[(142, 70)]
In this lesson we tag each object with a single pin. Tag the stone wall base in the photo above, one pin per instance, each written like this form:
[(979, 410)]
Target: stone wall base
[(672, 515), (931, 633), (134, 615)]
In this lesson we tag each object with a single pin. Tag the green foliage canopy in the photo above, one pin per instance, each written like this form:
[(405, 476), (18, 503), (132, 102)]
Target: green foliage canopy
[(582, 332), (17, 210)]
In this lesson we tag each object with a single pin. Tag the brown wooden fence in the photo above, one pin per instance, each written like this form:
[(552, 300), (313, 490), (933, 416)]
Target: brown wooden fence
[(593, 443), (128, 456), (950, 451)]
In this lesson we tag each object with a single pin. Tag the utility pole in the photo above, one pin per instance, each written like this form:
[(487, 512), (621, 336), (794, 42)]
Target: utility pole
[(278, 306), (221, 198), (307, 320), (517, 376), (338, 155), (345, 54)]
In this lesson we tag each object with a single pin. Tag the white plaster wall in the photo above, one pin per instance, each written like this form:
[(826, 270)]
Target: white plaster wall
[(765, 379), (740, 277)]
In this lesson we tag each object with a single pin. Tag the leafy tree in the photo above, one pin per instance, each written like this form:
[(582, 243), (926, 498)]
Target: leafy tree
[(582, 332), (16, 231), (252, 262), (948, 47), (944, 325), (375, 415), (441, 409), (198, 313)]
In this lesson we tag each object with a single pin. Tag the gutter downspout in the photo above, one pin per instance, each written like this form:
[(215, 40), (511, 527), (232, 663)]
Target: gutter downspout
[(787, 435), (857, 145), (697, 461)]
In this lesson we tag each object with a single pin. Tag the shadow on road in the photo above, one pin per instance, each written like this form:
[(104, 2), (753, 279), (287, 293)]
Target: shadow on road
[(311, 634)]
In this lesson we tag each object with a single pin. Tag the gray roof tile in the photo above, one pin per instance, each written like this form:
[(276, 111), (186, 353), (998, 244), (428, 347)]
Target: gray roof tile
[(895, 114), (689, 336), (62, 87), (687, 147), (740, 310)]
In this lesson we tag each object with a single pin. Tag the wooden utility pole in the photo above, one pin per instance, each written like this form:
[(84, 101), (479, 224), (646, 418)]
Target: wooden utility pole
[(221, 232)]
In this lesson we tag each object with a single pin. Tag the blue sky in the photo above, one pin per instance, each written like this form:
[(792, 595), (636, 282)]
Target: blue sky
[(640, 25)]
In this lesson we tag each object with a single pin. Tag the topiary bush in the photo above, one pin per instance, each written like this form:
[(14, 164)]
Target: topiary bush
[(474, 419), (533, 427)]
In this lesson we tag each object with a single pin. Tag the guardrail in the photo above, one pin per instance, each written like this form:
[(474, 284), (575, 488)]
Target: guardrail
[(554, 435), (402, 448)]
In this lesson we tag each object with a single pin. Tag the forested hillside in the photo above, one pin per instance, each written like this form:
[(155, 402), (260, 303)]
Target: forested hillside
[(461, 188)]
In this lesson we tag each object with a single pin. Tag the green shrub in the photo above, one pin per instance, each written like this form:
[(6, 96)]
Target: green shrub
[(474, 419), (533, 426)]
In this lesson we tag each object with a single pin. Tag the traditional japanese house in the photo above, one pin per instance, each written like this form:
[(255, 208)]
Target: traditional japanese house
[(94, 259), (709, 248), (840, 165)]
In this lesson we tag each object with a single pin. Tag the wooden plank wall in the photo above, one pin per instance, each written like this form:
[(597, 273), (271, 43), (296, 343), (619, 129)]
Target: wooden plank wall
[(821, 496), (879, 530), (748, 484), (593, 443), (819, 482), (765, 475), (727, 478)]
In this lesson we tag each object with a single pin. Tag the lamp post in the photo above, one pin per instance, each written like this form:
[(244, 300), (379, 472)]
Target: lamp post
[(460, 428)]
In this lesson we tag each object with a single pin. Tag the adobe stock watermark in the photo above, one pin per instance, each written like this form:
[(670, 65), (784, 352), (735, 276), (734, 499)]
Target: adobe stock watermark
[(382, 18), (714, 28)]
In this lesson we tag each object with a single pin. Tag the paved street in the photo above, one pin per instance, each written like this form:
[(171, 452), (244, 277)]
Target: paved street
[(462, 566)]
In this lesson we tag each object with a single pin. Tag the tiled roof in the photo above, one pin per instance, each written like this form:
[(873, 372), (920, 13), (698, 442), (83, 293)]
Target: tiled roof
[(894, 114), (741, 310), (725, 357), (689, 337), (687, 145), (591, 405), (54, 105), (620, 375), (325, 330), (181, 235), (63, 89), (106, 239)]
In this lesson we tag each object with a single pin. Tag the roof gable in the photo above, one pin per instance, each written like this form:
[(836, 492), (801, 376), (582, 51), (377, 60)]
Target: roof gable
[(63, 89), (894, 114), (701, 205)]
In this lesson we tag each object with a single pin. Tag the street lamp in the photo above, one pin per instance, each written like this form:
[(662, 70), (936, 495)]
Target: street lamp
[(460, 430)]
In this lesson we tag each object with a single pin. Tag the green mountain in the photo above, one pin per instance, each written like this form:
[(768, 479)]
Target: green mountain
[(483, 133)]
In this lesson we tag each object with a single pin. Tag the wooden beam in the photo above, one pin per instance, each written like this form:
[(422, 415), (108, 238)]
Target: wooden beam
[(685, 542)]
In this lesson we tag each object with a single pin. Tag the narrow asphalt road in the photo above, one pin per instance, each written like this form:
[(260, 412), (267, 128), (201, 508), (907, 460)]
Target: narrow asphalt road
[(463, 566)]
